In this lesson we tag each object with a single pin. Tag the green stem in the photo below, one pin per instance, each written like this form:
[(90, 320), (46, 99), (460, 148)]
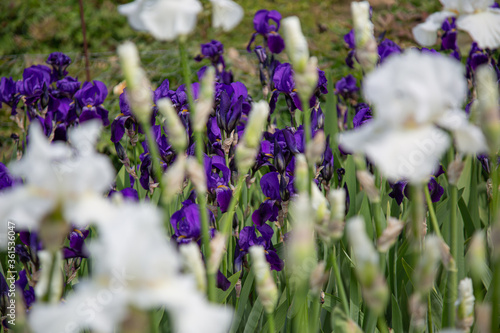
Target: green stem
[(417, 213), (382, 325), (495, 223), (432, 213), (199, 143), (53, 265), (308, 136), (314, 319), (228, 222), (270, 320), (430, 328), (451, 291), (340, 285)]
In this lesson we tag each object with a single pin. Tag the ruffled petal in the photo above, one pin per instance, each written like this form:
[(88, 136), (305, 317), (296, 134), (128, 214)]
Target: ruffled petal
[(226, 14), (483, 27), (426, 33)]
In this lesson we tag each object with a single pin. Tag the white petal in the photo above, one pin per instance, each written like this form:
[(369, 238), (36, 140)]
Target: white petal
[(226, 14), (483, 27), (85, 136), (426, 33), (469, 139), (168, 19), (412, 154), (132, 11)]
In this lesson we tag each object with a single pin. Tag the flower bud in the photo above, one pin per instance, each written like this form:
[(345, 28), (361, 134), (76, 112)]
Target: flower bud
[(319, 204), (366, 46), (295, 43), (218, 248), (363, 252), (139, 94), (307, 81), (197, 175), (318, 278), (465, 305), (248, 148), (51, 275), (175, 130), (390, 234), (454, 171), (316, 147), (193, 263), (266, 288), (476, 256), (367, 182), (256, 124), (301, 173), (205, 101), (301, 245), (173, 179), (426, 270), (488, 96), (337, 198)]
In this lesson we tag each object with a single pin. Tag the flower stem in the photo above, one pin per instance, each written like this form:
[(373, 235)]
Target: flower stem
[(495, 223), (451, 291), (417, 213), (432, 213), (198, 139), (270, 320), (340, 285)]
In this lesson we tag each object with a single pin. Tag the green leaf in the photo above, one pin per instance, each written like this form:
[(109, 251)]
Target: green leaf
[(221, 294), (242, 301), (122, 179), (253, 319), (397, 318)]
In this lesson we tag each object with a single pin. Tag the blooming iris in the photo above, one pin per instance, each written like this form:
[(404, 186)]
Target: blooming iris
[(403, 139), (477, 17), (274, 41), (89, 100)]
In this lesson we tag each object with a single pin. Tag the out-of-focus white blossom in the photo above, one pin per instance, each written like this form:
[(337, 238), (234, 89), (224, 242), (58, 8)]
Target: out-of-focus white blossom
[(488, 97), (175, 130), (295, 43), (465, 304), (366, 46), (164, 19), (205, 102), (403, 139), (226, 14), (266, 288), (145, 276), (58, 180), (193, 263), (473, 16)]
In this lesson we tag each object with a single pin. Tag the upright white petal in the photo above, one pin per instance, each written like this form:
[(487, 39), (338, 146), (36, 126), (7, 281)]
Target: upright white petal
[(226, 14), (469, 139), (483, 27), (426, 33), (169, 19), (132, 10)]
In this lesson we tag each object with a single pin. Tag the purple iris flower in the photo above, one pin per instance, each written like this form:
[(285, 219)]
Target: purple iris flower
[(449, 37), (35, 84), (248, 237), (89, 99), (212, 51), (232, 102), (186, 223), (284, 84), (59, 62), (125, 121), (350, 41), (327, 165), (128, 193), (22, 253), (261, 20), (68, 86), (76, 248), (363, 115), (400, 190), (6, 179), (277, 187), (267, 211), (346, 87), (8, 93), (218, 177), (386, 48), (28, 291), (477, 57)]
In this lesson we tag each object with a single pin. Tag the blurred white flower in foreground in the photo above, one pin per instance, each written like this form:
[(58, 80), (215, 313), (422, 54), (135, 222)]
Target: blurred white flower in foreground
[(135, 267), (59, 180), (164, 19), (473, 16), (412, 94), (226, 14)]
